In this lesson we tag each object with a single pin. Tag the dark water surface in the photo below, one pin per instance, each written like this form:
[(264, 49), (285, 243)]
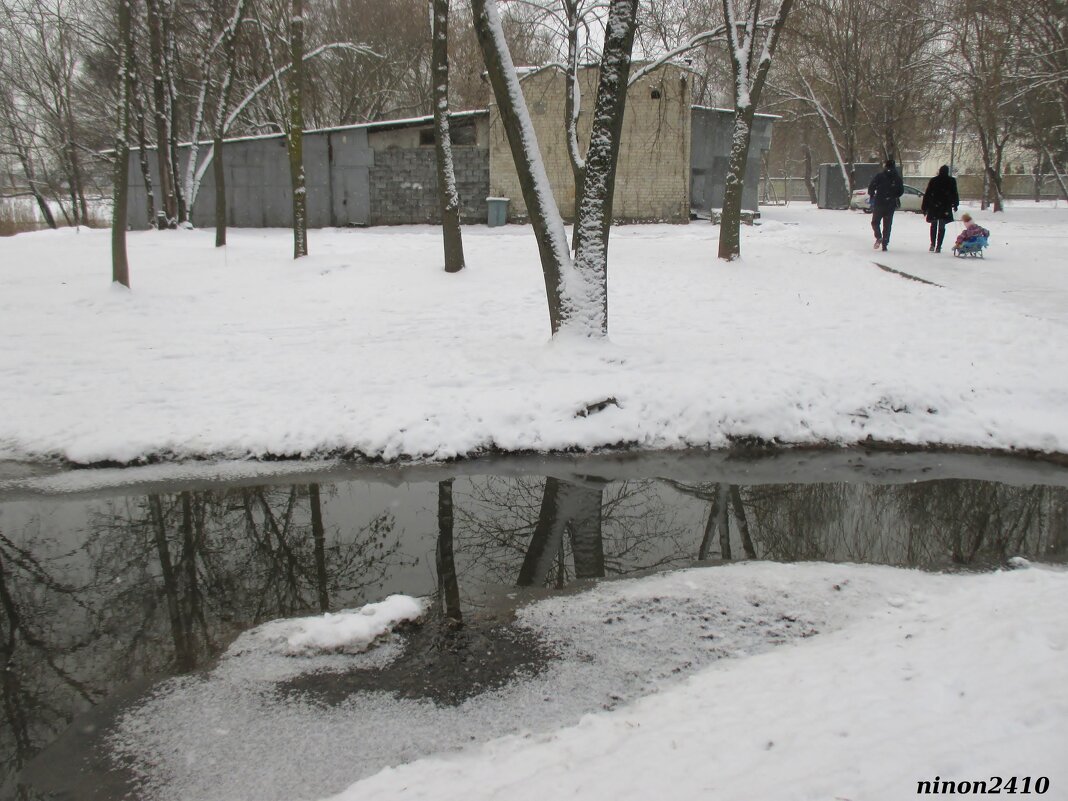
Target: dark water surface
[(112, 579)]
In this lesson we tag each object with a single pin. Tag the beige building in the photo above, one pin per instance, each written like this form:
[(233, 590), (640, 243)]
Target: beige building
[(654, 172), (1018, 178), (966, 156)]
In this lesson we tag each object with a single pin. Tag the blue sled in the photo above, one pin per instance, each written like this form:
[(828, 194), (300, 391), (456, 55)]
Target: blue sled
[(971, 247)]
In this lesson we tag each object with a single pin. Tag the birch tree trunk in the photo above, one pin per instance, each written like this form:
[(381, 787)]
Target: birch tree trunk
[(296, 130), (168, 199), (225, 91), (171, 66), (77, 187), (572, 108), (448, 195), (750, 73), (595, 208), (120, 269), (534, 182), (138, 108), (576, 291), (810, 185)]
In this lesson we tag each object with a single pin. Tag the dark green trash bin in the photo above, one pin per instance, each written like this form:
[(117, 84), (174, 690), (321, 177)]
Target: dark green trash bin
[(496, 211)]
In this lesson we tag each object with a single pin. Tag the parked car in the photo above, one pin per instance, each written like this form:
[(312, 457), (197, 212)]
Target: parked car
[(910, 201)]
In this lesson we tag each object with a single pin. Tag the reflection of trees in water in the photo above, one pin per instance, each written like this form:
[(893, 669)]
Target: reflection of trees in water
[(725, 505), (975, 521), (925, 524), (162, 582), (166, 581), (206, 565), (448, 581), (547, 532), (38, 682), (802, 521)]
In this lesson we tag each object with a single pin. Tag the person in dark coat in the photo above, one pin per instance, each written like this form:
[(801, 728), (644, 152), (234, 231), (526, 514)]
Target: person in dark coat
[(884, 190), (939, 202)]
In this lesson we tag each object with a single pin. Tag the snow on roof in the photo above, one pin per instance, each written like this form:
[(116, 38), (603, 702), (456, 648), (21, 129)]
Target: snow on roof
[(378, 125), (408, 122), (636, 64), (731, 111)]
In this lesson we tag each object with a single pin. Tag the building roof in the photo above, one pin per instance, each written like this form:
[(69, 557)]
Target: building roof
[(408, 122), (378, 125), (637, 64), (731, 111)]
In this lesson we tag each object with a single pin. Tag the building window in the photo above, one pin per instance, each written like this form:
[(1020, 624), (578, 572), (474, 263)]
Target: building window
[(464, 135)]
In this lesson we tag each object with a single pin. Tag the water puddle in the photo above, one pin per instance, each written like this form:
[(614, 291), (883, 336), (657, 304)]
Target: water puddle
[(112, 580)]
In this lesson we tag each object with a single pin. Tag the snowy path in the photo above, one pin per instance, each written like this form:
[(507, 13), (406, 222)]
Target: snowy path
[(1035, 284)]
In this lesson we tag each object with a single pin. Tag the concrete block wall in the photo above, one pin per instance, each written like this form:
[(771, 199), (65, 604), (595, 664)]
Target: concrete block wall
[(652, 180), (404, 185)]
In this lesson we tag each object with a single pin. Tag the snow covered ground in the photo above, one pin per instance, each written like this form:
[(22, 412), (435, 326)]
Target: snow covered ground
[(368, 347), (745, 682), (753, 681)]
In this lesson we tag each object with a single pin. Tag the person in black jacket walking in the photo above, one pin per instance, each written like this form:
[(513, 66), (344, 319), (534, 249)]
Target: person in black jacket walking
[(884, 190), (939, 202)]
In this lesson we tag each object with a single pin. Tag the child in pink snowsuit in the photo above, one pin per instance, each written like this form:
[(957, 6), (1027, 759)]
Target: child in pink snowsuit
[(971, 230)]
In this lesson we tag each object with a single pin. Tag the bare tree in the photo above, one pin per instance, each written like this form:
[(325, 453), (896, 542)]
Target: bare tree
[(295, 134), (394, 83), (120, 268), (751, 47), (902, 106), (577, 292), (594, 219), (226, 84), (1039, 72), (691, 30), (448, 195), (137, 108), (219, 41), (825, 71), (580, 24), (981, 36), (160, 43), (40, 72), (21, 147)]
